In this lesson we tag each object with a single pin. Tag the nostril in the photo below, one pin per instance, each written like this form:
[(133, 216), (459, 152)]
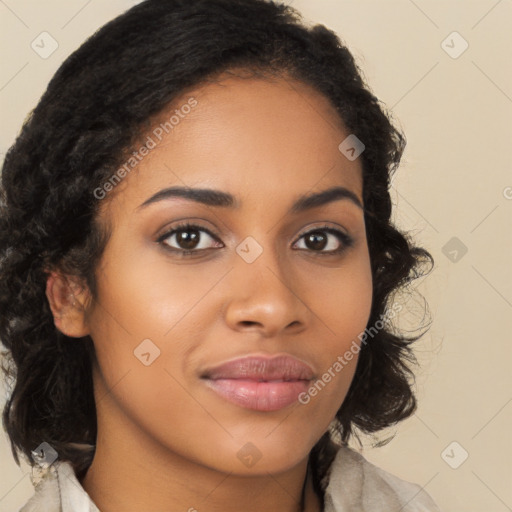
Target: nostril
[(248, 322)]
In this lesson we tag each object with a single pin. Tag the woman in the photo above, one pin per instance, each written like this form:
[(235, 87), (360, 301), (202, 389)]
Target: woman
[(198, 268)]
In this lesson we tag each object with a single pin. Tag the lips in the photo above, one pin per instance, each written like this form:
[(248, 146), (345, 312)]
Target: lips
[(260, 383)]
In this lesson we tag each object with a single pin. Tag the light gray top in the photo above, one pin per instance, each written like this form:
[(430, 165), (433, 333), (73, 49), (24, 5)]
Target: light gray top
[(353, 485)]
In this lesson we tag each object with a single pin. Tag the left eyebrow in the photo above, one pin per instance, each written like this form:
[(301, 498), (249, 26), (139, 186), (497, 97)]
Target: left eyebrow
[(314, 200), (219, 198)]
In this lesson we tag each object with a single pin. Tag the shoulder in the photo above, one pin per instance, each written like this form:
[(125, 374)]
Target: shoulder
[(354, 484), (58, 490), (46, 490)]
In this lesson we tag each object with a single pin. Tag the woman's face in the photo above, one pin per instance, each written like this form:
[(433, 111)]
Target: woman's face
[(255, 284)]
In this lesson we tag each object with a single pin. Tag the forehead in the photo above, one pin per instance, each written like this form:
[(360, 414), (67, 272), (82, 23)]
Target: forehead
[(256, 138)]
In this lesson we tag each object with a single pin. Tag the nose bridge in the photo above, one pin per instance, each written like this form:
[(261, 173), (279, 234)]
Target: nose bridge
[(263, 292), (259, 256)]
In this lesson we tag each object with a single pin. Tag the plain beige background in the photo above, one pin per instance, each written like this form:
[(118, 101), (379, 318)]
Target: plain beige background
[(453, 192)]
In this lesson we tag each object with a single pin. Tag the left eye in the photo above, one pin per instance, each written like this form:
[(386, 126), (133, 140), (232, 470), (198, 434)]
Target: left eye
[(318, 241)]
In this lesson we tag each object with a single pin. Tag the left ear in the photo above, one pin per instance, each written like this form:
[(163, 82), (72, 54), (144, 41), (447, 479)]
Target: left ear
[(68, 301)]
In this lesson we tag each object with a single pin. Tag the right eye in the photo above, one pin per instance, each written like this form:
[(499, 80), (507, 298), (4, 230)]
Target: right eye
[(187, 239)]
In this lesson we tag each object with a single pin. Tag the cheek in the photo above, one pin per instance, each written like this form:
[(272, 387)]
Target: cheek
[(343, 306), (343, 302), (143, 296)]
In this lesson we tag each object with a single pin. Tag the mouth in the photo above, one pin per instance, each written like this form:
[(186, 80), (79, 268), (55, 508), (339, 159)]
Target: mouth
[(260, 383)]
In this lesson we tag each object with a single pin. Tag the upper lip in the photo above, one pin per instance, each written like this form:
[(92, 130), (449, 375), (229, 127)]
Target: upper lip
[(261, 368)]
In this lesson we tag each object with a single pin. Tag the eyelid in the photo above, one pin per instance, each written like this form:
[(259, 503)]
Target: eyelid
[(325, 226), (183, 224)]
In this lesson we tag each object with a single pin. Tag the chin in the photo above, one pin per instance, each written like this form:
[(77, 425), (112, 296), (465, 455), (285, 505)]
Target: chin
[(259, 455)]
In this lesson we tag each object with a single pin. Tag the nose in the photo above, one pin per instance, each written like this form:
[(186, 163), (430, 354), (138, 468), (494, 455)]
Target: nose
[(263, 298)]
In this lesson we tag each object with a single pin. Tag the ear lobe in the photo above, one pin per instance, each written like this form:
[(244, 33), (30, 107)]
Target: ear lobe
[(68, 301)]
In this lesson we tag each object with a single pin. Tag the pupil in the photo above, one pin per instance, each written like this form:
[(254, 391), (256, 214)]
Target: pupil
[(315, 238), (188, 241)]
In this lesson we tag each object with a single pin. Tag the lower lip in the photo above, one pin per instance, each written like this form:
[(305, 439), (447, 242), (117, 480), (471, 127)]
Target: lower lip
[(259, 396)]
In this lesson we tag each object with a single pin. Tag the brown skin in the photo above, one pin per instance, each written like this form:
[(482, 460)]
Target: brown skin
[(165, 440)]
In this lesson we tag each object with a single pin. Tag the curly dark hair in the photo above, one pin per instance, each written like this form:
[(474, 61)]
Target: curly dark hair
[(95, 107)]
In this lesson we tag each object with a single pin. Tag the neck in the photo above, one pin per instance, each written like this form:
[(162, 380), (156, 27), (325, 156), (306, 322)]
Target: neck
[(124, 482)]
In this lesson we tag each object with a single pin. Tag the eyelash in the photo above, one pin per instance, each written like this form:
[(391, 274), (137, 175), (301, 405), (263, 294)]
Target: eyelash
[(345, 240)]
